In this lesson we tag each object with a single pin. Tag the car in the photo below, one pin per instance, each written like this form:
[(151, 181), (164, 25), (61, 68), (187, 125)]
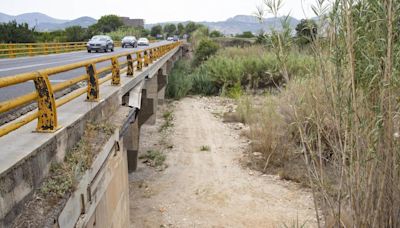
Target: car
[(170, 38), (143, 42), (175, 38), (129, 41), (100, 43)]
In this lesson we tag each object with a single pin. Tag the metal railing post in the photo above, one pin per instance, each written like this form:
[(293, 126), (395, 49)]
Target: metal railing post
[(139, 61), (47, 120), (146, 58), (93, 83), (130, 71), (116, 79)]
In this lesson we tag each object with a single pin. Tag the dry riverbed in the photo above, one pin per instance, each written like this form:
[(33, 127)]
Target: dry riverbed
[(202, 183)]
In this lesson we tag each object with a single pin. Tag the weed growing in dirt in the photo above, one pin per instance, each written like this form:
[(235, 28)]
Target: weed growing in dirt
[(205, 148), (64, 176), (168, 117), (154, 158)]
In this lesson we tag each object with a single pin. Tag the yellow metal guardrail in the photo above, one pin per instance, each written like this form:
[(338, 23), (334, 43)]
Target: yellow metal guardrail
[(46, 112), (32, 49)]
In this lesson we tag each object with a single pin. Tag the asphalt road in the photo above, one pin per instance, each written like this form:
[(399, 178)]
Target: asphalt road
[(10, 67)]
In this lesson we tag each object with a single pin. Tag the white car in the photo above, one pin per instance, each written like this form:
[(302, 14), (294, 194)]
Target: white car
[(170, 38), (143, 42)]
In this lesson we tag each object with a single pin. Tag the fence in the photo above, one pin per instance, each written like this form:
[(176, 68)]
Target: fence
[(32, 49), (46, 112)]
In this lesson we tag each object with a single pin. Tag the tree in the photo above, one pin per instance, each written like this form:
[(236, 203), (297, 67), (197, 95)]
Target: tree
[(205, 49), (246, 34), (181, 29), (108, 23), (156, 30), (75, 33), (12, 32), (216, 33), (190, 27), (306, 31), (170, 29)]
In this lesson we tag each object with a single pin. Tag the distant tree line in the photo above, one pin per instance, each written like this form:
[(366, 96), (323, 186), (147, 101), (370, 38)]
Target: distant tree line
[(170, 29)]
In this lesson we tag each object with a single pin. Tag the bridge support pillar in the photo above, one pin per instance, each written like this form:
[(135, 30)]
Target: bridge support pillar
[(151, 100), (131, 142), (162, 80)]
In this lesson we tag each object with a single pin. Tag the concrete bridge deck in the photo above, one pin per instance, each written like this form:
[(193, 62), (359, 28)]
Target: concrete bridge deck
[(26, 156)]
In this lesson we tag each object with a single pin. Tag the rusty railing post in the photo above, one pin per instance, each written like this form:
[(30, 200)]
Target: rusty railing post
[(130, 65), (146, 58), (139, 61), (93, 93), (116, 79), (47, 120)]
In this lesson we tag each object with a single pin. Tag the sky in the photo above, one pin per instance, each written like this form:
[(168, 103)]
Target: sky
[(152, 11)]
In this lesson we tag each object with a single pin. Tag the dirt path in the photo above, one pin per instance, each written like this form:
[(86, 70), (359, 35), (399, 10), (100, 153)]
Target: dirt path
[(210, 188)]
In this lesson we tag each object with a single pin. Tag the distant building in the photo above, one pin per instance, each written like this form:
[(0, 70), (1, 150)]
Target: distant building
[(133, 22)]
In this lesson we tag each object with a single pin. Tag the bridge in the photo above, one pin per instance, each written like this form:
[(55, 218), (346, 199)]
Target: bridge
[(69, 92)]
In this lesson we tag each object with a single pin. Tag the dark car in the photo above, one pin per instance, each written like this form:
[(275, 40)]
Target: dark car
[(129, 41), (100, 43)]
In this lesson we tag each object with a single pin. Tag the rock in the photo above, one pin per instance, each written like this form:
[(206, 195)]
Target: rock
[(257, 154)]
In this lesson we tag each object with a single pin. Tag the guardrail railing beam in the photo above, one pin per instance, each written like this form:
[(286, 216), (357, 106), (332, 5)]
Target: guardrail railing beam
[(44, 94)]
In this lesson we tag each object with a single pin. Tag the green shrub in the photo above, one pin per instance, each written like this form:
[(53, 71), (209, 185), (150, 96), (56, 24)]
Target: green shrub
[(205, 50), (179, 82), (202, 82)]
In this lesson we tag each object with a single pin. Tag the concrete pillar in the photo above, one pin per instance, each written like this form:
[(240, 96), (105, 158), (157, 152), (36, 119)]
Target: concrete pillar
[(151, 87), (162, 79), (131, 143)]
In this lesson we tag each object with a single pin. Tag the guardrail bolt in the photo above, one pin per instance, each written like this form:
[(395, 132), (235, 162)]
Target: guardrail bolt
[(93, 93), (47, 121), (116, 79), (130, 65)]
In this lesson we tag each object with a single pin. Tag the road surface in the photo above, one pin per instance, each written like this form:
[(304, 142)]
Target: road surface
[(10, 67)]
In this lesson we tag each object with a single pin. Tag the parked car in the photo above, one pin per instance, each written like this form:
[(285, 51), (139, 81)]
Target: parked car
[(170, 38), (175, 38), (143, 42), (100, 43), (129, 41)]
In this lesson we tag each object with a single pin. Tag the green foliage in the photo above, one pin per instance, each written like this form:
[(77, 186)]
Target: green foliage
[(215, 34), (205, 50), (108, 23), (180, 29), (191, 27), (155, 157), (156, 30), (245, 35), (306, 31), (202, 82), (126, 31), (179, 82), (170, 29), (12, 32), (75, 34)]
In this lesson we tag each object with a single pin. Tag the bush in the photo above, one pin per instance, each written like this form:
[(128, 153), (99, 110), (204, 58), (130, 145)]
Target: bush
[(205, 50), (179, 82)]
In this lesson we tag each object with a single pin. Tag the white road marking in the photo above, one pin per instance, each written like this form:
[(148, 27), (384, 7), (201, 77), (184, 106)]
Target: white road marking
[(42, 64)]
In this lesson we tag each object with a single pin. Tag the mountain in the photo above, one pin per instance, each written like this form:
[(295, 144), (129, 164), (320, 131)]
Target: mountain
[(42, 22), (241, 23), (82, 21)]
